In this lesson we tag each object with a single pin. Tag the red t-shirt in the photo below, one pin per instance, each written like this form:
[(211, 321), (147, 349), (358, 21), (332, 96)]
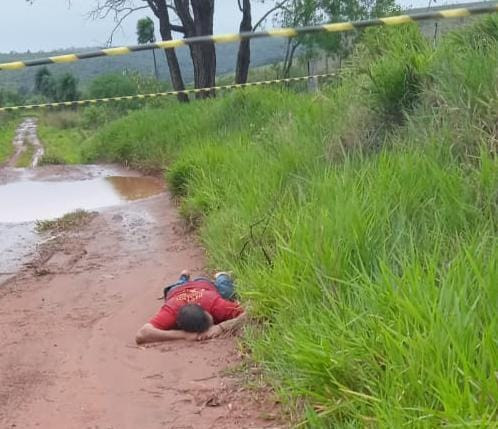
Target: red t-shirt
[(198, 292)]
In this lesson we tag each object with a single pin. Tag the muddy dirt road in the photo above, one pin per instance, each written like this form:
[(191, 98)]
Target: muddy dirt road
[(67, 325), (26, 136)]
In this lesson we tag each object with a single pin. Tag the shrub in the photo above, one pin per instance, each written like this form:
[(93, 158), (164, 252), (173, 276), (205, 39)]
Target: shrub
[(63, 119), (400, 58), (111, 85)]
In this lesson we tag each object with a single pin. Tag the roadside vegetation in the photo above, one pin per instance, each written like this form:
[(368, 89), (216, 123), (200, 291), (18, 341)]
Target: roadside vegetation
[(361, 223), (62, 134), (69, 221), (8, 125), (63, 131)]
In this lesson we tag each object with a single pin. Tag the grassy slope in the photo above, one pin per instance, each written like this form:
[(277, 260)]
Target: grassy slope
[(8, 127), (62, 136), (378, 308)]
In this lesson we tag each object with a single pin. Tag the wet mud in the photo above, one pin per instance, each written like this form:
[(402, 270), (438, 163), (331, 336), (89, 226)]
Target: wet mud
[(26, 136)]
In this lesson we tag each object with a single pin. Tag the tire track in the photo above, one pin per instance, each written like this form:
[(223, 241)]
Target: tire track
[(26, 135)]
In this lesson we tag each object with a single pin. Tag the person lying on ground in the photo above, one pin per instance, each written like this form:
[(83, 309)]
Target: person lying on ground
[(195, 310)]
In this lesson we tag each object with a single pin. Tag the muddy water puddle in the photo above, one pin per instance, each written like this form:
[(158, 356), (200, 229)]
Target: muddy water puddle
[(24, 202), (27, 201)]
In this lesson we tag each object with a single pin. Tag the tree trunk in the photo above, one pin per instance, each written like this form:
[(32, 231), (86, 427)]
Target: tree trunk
[(289, 58), (286, 59), (155, 64), (174, 67), (244, 55), (203, 54)]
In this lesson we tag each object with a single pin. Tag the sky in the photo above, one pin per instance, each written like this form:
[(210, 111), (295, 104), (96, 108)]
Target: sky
[(52, 24)]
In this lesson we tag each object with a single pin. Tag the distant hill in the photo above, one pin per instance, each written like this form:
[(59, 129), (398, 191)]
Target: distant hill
[(264, 51)]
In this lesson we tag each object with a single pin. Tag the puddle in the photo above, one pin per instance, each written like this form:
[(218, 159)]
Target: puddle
[(26, 201), (18, 242)]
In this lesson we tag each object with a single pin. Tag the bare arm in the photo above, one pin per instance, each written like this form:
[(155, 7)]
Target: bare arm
[(228, 326), (149, 334)]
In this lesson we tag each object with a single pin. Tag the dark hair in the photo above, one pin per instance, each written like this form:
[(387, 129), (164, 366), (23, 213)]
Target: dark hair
[(193, 318)]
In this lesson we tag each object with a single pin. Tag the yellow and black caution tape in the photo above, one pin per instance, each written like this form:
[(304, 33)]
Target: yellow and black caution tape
[(276, 32), (163, 94)]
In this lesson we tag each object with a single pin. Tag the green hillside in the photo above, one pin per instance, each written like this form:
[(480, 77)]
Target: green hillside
[(265, 51)]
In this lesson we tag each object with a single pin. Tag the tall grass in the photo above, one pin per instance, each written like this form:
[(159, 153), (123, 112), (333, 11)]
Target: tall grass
[(361, 225), (8, 125)]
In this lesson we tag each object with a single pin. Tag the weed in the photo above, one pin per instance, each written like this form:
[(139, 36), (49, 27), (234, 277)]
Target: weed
[(51, 160), (8, 125), (70, 221)]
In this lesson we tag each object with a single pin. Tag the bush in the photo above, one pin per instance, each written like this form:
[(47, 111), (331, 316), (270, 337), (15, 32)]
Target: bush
[(179, 176), (400, 58), (95, 116), (111, 85), (62, 119)]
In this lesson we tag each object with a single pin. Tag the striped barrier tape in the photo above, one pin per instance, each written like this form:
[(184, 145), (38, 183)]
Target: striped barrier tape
[(163, 94), (276, 32)]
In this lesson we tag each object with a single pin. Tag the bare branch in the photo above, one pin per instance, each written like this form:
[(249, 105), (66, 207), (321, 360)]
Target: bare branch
[(153, 6), (119, 21), (177, 28), (268, 13), (104, 7), (121, 9)]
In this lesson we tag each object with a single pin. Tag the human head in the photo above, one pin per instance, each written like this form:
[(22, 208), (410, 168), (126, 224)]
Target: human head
[(193, 318)]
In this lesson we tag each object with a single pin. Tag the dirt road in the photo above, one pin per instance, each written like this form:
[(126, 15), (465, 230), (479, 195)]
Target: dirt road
[(67, 326), (26, 135)]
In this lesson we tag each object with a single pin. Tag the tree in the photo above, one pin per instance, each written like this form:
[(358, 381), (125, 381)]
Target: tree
[(10, 98), (244, 53), (196, 18), (67, 88), (45, 83), (63, 88), (145, 34), (314, 12), (111, 85), (298, 13), (189, 18)]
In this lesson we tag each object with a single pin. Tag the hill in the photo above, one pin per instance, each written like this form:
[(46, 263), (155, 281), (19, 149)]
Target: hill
[(265, 51)]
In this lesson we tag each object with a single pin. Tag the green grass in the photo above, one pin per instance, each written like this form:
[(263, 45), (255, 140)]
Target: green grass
[(361, 225), (69, 221), (62, 136), (61, 146), (8, 127)]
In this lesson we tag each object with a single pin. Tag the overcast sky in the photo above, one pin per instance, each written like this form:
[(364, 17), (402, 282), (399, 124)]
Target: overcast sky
[(51, 24)]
